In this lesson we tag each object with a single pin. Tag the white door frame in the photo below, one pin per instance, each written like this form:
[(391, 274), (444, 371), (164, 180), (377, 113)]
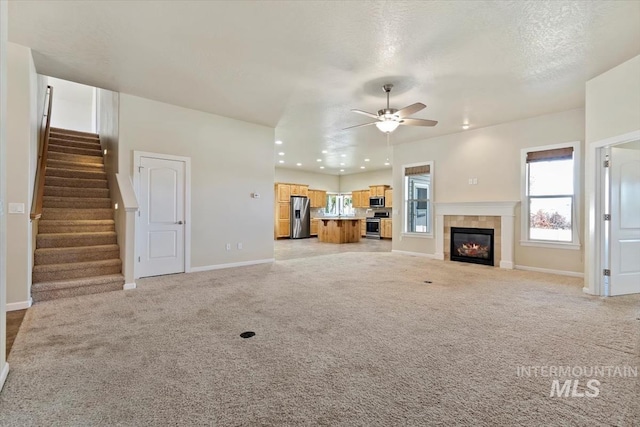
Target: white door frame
[(595, 209), (137, 155)]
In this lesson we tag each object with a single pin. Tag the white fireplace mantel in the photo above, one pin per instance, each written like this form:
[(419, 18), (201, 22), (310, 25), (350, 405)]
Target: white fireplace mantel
[(506, 212)]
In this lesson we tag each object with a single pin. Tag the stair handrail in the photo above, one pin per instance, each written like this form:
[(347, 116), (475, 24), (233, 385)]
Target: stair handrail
[(38, 191)]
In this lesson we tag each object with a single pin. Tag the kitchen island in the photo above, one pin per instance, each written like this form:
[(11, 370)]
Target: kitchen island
[(339, 230)]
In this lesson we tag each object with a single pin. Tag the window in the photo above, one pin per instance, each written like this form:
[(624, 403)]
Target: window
[(339, 204), (418, 195), (549, 208)]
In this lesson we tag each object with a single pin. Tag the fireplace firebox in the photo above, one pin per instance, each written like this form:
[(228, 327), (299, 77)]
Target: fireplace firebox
[(473, 245)]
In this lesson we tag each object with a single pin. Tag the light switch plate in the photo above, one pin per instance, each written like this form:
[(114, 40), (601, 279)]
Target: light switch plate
[(16, 208)]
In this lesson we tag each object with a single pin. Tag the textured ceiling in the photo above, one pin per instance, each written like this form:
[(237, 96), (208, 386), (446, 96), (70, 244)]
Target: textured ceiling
[(301, 66)]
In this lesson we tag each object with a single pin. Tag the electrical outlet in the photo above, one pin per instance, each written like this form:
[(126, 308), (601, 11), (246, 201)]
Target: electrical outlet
[(228, 246), (239, 245)]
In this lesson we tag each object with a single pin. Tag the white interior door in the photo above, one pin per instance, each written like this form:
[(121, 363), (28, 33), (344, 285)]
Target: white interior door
[(162, 216), (625, 221)]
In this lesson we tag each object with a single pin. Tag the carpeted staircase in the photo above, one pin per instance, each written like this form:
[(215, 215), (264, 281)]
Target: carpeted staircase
[(76, 248)]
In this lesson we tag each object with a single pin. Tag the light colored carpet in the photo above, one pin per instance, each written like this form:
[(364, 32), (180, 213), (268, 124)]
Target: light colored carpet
[(342, 339)]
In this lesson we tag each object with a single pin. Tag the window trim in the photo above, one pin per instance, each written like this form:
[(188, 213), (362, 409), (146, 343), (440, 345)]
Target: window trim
[(403, 212), (524, 199)]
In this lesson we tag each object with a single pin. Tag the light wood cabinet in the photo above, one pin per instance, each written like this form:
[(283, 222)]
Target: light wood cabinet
[(360, 198), (283, 192), (386, 231), (363, 227), (284, 228), (314, 227), (317, 198), (388, 198), (377, 190), (304, 190), (355, 199), (295, 190), (284, 210)]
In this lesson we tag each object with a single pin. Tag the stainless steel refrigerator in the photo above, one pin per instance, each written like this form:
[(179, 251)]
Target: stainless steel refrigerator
[(300, 218)]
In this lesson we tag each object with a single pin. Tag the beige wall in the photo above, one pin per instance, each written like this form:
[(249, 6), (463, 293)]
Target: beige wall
[(4, 367), (316, 181), (227, 165), (612, 105), (22, 131), (73, 105), (612, 109), (362, 181), (492, 155)]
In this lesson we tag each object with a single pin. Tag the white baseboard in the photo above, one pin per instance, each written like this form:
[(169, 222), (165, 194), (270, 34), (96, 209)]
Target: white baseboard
[(3, 375), (128, 286), (587, 291), (13, 306), (420, 254), (506, 264), (231, 265), (550, 271)]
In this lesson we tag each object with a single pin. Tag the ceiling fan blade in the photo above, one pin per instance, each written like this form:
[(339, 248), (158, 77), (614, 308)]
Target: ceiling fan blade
[(418, 122), (359, 126), (364, 113), (411, 109)]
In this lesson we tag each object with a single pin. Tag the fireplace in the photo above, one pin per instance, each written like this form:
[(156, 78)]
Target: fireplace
[(473, 245)]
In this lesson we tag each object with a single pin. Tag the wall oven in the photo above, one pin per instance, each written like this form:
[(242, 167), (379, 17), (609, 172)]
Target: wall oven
[(373, 225)]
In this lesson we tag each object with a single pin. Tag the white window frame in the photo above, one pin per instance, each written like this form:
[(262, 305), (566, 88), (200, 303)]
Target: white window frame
[(405, 198), (339, 206), (524, 198)]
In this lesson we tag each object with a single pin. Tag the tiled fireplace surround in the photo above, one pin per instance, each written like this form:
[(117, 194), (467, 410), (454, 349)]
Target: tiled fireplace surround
[(499, 216)]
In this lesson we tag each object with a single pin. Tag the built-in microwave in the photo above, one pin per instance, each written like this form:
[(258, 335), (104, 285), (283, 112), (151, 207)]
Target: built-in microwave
[(376, 202)]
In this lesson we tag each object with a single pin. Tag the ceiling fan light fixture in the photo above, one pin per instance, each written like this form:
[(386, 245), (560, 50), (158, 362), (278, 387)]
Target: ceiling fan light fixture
[(387, 126)]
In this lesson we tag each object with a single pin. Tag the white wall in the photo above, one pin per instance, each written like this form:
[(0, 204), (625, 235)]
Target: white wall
[(492, 155), (316, 181), (228, 164), (22, 131), (612, 110), (4, 367), (612, 103), (362, 181), (73, 105)]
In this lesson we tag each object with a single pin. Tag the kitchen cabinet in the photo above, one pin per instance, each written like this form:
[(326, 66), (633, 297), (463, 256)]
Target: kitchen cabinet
[(360, 198), (304, 190), (295, 190), (284, 228), (314, 227), (283, 192), (363, 227), (283, 212), (388, 198), (386, 231), (317, 198), (377, 190)]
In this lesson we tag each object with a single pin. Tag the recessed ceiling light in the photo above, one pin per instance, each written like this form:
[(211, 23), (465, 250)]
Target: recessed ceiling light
[(280, 161), (324, 151), (281, 153), (298, 164), (341, 164), (278, 142), (321, 167), (361, 167), (387, 163), (367, 160), (341, 170), (465, 126), (318, 160), (343, 155)]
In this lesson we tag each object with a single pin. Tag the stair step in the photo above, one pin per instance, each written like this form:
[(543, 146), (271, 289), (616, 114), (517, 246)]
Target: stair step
[(53, 129), (74, 173), (74, 150), (75, 202), (76, 192), (61, 164), (66, 240), (75, 226), (75, 214), (74, 158), (45, 291), (88, 145), (75, 270), (75, 254), (56, 181)]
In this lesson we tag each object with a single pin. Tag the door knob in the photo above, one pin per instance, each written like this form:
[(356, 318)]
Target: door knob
[(179, 223)]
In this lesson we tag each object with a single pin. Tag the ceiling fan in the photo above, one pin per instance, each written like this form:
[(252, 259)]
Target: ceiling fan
[(390, 118)]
